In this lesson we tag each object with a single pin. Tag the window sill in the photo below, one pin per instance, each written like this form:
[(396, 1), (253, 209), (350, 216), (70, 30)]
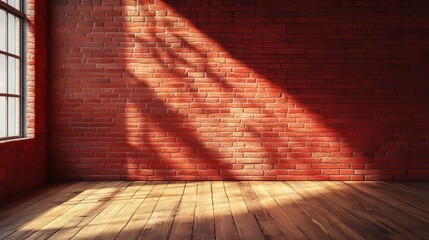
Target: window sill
[(14, 141)]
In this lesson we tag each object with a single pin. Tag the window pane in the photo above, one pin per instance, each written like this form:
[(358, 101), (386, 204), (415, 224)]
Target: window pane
[(13, 116), (3, 32), (17, 38), (3, 117), (13, 75), (2, 73), (13, 34), (15, 3)]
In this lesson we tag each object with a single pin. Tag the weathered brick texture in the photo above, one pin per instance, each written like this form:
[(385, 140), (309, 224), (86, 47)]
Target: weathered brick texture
[(23, 161), (240, 89)]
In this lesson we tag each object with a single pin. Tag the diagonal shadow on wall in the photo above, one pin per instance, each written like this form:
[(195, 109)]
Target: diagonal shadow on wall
[(345, 64), (250, 88)]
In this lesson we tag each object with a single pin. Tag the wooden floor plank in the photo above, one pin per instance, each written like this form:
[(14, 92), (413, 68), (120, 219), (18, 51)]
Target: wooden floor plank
[(220, 210), (224, 222), (130, 203), (91, 207), (333, 225), (335, 206), (28, 198), (310, 228), (416, 197), (255, 207), (184, 219), (64, 216), (392, 214), (95, 222), (247, 226), (281, 218), (396, 206), (204, 227), (93, 225), (24, 208), (24, 223), (161, 220), (419, 185), (369, 210), (142, 215)]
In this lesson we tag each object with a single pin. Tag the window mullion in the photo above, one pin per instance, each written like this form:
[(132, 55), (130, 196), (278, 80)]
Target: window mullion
[(9, 54)]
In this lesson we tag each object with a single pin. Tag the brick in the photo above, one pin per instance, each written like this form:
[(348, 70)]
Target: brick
[(23, 161), (339, 177), (186, 91)]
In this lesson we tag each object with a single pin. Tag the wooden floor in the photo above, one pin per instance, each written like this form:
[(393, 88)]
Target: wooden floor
[(220, 210)]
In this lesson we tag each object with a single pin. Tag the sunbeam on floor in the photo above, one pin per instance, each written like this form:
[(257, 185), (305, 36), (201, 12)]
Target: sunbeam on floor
[(219, 210)]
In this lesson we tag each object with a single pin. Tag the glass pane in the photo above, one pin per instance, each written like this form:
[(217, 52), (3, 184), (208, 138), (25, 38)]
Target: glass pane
[(2, 117), (2, 73), (15, 3), (3, 32), (13, 75), (11, 33), (17, 38), (13, 116), (11, 41)]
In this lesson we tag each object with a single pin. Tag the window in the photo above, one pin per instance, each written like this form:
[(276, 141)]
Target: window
[(11, 18)]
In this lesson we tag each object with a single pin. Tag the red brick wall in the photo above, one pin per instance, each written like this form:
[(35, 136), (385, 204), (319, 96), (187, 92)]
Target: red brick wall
[(240, 89), (23, 161)]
